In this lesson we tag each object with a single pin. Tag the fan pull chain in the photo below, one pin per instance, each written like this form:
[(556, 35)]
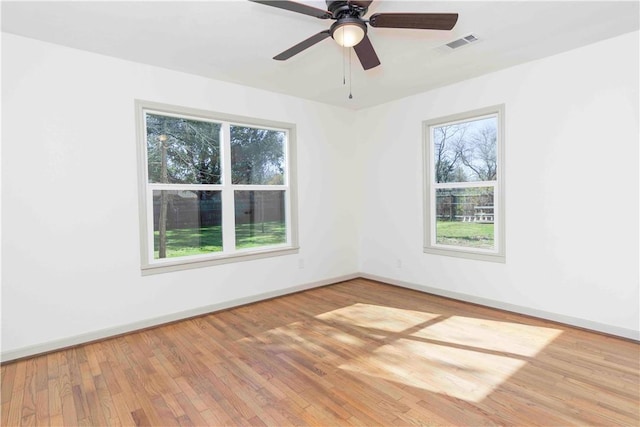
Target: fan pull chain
[(344, 71), (344, 59), (350, 78)]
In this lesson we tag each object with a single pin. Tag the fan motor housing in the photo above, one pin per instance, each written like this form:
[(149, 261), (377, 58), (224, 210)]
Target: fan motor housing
[(341, 9)]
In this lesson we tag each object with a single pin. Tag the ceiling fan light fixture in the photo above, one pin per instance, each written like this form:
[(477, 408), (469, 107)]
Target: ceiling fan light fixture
[(348, 32), (350, 27)]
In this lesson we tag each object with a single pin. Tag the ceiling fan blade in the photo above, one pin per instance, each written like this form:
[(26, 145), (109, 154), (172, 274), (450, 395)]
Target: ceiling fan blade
[(423, 21), (366, 54), (296, 7), (302, 45)]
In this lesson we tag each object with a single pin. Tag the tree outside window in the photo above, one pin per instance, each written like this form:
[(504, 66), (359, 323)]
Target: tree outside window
[(214, 188)]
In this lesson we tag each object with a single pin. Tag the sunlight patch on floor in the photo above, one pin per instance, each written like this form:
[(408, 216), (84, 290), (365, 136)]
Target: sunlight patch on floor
[(463, 357), (378, 317), (464, 374), (497, 336)]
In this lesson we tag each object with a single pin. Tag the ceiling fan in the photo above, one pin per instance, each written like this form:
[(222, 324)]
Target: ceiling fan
[(350, 28)]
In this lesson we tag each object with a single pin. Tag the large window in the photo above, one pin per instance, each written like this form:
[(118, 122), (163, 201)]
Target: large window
[(214, 188), (464, 173)]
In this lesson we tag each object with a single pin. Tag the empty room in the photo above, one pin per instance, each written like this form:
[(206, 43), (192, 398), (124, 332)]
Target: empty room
[(328, 213)]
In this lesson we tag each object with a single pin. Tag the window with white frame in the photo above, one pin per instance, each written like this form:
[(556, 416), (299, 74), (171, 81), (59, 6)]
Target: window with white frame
[(464, 185), (214, 188)]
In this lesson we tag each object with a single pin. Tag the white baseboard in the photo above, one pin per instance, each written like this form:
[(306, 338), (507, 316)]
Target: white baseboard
[(6, 356), (555, 317)]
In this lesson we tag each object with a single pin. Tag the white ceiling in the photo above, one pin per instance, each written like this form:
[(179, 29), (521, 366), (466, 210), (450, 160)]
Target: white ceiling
[(235, 40)]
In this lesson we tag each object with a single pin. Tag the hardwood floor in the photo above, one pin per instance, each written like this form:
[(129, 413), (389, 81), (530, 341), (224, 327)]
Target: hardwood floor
[(354, 353)]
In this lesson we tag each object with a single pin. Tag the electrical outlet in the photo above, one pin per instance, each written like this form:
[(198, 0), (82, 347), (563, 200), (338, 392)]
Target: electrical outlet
[(399, 263), (301, 263)]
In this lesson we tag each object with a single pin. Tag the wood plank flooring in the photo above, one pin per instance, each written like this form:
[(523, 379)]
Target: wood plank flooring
[(354, 353)]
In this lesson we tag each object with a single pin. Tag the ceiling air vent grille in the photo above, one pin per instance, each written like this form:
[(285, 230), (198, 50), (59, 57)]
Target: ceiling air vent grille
[(462, 41)]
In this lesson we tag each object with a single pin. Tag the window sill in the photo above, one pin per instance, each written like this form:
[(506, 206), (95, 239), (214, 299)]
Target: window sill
[(200, 262), (462, 253)]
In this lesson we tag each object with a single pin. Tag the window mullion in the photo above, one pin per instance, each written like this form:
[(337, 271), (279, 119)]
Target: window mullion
[(260, 187), (178, 187), (464, 184), (228, 202)]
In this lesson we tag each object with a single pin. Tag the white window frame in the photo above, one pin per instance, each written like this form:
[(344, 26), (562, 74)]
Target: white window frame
[(229, 254), (498, 253)]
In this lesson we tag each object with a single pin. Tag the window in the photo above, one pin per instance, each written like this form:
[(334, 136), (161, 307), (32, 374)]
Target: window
[(213, 188), (464, 195)]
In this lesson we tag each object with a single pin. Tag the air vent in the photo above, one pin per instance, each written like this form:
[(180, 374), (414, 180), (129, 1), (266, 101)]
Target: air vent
[(462, 41)]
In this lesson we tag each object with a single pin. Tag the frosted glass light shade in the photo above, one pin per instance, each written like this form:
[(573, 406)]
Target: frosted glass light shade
[(348, 35)]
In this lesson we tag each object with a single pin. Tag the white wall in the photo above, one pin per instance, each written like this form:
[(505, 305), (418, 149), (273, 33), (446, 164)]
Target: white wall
[(571, 189), (70, 249), (71, 267)]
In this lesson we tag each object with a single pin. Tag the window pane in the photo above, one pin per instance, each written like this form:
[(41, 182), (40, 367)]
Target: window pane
[(260, 218), (257, 156), (183, 151), (186, 223), (466, 151), (465, 217)]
